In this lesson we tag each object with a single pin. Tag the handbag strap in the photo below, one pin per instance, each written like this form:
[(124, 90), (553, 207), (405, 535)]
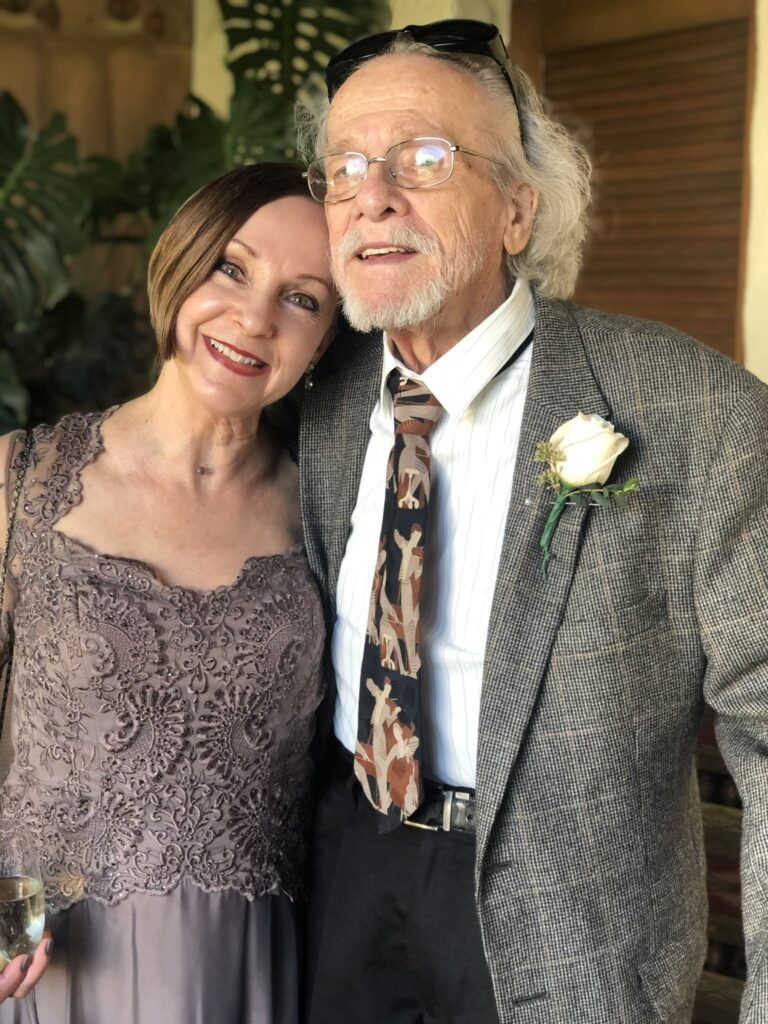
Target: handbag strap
[(14, 504)]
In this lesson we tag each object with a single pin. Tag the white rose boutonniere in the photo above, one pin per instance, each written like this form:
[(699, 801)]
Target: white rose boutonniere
[(579, 458)]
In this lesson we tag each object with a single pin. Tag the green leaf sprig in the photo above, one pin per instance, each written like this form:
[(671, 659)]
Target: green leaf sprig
[(599, 494)]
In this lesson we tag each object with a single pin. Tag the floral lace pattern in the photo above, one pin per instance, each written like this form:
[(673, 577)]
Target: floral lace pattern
[(159, 732)]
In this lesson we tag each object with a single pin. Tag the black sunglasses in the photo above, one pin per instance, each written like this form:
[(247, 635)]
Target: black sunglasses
[(455, 35)]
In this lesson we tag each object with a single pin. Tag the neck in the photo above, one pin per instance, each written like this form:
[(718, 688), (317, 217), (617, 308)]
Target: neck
[(422, 345), (170, 430)]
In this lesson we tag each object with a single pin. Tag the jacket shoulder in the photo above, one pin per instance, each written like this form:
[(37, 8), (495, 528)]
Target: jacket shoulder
[(656, 356)]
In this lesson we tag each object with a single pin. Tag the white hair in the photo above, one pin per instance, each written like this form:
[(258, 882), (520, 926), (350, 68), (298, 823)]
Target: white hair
[(554, 164)]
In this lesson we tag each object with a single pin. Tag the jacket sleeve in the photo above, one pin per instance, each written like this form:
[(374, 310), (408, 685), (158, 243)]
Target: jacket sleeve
[(731, 593)]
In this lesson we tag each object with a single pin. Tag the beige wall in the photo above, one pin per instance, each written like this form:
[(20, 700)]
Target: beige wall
[(211, 80), (417, 12), (756, 280), (113, 78)]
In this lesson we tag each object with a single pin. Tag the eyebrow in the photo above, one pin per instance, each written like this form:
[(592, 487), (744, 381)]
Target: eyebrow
[(244, 245), (312, 277), (325, 282)]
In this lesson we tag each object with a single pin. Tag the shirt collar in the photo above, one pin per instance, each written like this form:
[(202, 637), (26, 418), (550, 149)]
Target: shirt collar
[(458, 376)]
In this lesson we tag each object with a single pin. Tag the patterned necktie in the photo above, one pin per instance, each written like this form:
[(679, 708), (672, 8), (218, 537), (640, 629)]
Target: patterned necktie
[(388, 750)]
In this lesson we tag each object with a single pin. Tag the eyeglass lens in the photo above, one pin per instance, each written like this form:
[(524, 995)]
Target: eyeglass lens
[(416, 163)]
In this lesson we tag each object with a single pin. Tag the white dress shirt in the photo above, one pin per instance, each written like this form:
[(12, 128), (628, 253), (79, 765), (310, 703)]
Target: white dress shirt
[(473, 447)]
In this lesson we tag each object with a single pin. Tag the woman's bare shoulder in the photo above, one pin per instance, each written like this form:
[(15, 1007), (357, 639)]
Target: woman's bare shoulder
[(8, 443)]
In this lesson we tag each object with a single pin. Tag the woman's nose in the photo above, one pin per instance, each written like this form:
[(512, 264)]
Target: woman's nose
[(256, 317)]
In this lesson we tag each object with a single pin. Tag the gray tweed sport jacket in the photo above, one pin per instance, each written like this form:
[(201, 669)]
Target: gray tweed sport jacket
[(590, 868)]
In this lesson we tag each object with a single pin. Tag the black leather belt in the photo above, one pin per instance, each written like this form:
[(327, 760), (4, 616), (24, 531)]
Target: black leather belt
[(442, 809)]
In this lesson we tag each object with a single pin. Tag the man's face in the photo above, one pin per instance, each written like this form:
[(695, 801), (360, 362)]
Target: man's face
[(453, 234)]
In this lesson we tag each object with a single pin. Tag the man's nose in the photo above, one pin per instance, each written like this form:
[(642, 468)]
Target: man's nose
[(379, 197)]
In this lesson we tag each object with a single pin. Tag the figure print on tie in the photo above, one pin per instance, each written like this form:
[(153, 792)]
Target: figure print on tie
[(372, 631), (390, 631), (409, 582), (389, 757)]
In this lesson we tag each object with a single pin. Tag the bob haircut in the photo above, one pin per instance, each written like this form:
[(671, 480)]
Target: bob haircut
[(194, 241)]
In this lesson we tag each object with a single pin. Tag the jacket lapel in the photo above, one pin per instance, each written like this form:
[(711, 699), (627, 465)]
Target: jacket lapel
[(527, 609), (340, 402)]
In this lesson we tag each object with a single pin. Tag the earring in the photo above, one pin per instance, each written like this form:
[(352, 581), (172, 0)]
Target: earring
[(308, 381)]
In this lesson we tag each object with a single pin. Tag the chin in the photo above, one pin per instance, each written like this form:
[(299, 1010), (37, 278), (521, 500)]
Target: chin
[(395, 312)]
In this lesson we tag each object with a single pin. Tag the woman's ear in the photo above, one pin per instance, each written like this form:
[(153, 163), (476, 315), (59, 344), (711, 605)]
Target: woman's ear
[(522, 210)]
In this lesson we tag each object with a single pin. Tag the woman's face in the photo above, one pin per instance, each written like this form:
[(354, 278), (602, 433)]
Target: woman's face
[(248, 333)]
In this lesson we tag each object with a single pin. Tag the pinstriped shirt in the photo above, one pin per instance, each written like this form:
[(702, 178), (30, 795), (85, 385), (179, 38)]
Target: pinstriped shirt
[(473, 462)]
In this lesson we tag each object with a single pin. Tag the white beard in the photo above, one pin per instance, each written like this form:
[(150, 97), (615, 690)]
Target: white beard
[(419, 305)]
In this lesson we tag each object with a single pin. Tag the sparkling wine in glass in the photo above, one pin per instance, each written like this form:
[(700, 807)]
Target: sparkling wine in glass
[(22, 902)]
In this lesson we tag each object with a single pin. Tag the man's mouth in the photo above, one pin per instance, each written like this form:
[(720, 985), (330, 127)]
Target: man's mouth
[(235, 354), (366, 254)]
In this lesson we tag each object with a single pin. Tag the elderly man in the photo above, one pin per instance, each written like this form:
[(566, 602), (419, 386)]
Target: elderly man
[(509, 829)]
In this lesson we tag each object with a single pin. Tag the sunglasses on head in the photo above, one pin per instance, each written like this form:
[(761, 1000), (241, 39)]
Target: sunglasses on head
[(455, 35)]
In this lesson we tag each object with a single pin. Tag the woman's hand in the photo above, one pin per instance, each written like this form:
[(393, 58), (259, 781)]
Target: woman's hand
[(23, 972)]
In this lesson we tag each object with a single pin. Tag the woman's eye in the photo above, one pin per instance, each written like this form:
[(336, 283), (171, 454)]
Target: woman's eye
[(304, 301), (229, 269)]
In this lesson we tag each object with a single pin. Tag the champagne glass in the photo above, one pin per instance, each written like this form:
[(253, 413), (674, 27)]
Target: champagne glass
[(22, 901)]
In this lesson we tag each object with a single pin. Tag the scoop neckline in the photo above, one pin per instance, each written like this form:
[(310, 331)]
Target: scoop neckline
[(97, 448)]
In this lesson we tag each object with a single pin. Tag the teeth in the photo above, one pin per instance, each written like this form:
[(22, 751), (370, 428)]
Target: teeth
[(378, 252), (235, 356)]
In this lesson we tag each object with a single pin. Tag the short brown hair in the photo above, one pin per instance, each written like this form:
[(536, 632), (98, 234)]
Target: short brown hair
[(191, 245)]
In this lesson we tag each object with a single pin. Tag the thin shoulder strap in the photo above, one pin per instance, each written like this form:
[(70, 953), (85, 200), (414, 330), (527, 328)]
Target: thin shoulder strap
[(13, 505)]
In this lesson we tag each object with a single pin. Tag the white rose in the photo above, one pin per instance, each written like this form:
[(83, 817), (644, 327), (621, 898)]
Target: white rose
[(590, 446)]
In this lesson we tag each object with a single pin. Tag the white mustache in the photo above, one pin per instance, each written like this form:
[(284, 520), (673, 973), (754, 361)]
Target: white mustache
[(400, 238)]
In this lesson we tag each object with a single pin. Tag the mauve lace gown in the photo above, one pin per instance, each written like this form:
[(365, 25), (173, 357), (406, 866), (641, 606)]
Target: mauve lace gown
[(161, 761)]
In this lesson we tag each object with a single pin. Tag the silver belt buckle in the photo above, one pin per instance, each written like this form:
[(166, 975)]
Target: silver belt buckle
[(461, 801)]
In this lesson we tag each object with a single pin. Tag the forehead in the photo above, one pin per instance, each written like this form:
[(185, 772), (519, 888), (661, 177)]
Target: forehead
[(275, 222), (290, 231), (401, 96)]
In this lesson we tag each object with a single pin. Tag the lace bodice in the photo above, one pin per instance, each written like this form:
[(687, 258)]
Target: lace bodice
[(159, 732)]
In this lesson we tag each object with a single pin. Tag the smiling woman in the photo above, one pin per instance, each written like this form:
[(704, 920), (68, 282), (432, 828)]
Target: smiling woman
[(167, 638)]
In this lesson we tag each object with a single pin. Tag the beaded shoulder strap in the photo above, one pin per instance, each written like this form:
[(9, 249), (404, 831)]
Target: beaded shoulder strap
[(14, 504)]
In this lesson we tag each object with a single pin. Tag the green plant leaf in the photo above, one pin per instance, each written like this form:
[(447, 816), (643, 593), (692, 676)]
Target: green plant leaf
[(601, 498), (82, 354), (287, 45), (14, 399), (43, 205)]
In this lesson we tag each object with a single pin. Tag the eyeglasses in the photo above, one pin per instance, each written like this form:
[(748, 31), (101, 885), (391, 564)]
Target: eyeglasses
[(415, 163), (454, 35)]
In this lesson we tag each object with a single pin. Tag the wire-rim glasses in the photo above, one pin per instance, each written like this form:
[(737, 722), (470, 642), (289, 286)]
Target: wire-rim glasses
[(415, 163)]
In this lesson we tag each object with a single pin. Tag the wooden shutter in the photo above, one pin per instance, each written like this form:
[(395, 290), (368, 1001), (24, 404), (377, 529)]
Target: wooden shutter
[(664, 118)]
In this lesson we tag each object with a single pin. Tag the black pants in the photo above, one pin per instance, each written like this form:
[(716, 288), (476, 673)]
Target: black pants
[(393, 935)]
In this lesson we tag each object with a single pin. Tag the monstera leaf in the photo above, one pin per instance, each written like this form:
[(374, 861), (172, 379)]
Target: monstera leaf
[(287, 44), (79, 354), (197, 148), (42, 209)]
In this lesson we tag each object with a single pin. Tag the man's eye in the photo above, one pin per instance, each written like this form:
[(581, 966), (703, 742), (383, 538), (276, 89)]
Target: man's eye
[(304, 301), (230, 269)]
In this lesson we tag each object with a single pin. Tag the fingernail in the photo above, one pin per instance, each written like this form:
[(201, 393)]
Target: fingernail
[(26, 963), (49, 947)]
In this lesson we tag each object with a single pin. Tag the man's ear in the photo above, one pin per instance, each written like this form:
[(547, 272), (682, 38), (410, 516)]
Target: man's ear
[(522, 210)]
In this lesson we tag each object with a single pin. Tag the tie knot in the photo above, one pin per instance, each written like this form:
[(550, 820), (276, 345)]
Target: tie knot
[(416, 408)]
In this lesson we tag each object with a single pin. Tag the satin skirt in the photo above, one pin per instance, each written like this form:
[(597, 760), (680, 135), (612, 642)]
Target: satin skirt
[(187, 957)]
